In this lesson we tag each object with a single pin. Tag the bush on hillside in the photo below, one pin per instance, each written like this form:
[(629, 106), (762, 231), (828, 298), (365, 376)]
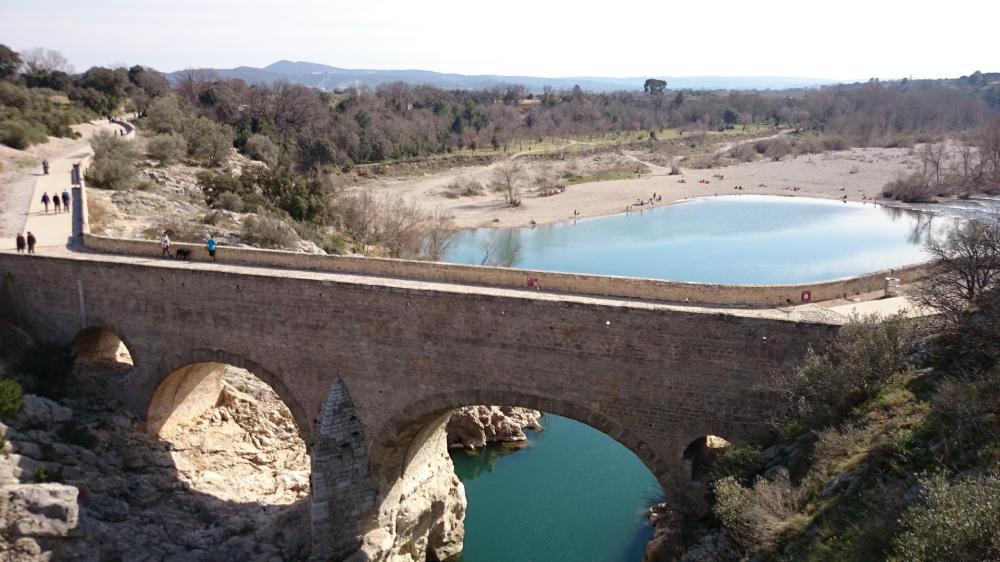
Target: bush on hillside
[(859, 362), (954, 521), (10, 398), (167, 147), (262, 149), (208, 141), (268, 231), (164, 115), (752, 516), (114, 162), (20, 134)]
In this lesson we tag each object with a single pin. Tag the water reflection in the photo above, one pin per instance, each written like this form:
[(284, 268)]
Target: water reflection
[(745, 239)]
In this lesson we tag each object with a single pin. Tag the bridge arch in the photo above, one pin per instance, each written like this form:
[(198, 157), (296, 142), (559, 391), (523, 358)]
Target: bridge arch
[(406, 433), (101, 346), (192, 378)]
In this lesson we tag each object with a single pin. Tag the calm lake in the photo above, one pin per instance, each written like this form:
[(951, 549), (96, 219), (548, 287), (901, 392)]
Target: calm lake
[(734, 239), (574, 494)]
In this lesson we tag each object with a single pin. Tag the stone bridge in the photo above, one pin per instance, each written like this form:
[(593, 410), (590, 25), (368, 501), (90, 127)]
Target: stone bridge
[(371, 366)]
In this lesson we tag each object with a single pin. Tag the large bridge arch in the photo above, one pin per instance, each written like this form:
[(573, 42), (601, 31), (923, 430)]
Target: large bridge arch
[(401, 437), (177, 379)]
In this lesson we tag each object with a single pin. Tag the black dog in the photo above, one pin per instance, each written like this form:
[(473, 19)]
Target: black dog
[(182, 254)]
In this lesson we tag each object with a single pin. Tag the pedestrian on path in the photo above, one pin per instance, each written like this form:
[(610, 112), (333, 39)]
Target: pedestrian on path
[(21, 243), (165, 245), (45, 167), (65, 198), (45, 201), (31, 243), (211, 246), (57, 203)]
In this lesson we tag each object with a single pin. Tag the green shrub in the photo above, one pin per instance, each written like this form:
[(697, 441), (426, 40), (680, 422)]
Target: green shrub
[(263, 149), (208, 141), (45, 473), (268, 231), (229, 201), (957, 521), (754, 515), (167, 147), (20, 134), (114, 162), (10, 398), (164, 115), (857, 365), (740, 462)]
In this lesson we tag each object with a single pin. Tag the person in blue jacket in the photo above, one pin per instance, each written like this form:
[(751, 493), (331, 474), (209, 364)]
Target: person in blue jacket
[(211, 246)]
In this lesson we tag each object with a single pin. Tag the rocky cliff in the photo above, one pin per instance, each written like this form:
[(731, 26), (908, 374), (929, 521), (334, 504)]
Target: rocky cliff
[(473, 427), (82, 481)]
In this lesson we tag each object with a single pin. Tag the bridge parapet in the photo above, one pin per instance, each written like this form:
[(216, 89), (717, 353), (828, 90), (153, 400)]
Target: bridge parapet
[(573, 283)]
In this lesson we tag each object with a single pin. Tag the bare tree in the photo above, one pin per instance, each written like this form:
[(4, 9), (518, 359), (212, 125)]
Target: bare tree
[(440, 235), (502, 248), (39, 59), (507, 178), (966, 266)]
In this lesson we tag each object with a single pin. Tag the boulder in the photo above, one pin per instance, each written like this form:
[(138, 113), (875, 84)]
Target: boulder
[(39, 510), (42, 412)]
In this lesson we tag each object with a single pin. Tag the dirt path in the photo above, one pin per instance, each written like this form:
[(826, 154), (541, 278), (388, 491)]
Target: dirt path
[(22, 173)]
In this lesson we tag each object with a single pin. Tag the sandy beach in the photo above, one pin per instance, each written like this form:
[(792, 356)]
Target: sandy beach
[(859, 174)]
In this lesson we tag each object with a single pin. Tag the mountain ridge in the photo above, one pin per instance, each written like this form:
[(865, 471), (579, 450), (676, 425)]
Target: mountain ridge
[(328, 77)]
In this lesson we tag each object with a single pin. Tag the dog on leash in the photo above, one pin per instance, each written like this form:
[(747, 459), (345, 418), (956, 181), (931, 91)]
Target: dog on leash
[(182, 254)]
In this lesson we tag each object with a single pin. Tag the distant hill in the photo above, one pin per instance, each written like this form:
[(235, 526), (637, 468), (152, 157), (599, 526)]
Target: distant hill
[(331, 78)]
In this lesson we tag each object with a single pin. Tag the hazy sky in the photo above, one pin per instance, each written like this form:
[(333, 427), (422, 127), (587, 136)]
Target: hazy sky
[(844, 39)]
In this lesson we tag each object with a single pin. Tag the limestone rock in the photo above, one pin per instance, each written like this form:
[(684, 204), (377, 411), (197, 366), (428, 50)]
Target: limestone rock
[(39, 510), (42, 412), (473, 427)]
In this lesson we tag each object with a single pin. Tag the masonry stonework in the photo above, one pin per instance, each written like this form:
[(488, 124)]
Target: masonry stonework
[(370, 371)]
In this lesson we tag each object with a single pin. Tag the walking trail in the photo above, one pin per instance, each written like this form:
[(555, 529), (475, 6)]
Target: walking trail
[(26, 213)]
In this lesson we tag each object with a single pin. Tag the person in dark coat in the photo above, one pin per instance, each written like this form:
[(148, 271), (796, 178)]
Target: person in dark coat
[(21, 243), (31, 242)]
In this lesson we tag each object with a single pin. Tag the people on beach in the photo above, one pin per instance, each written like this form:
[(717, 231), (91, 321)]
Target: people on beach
[(31, 242), (57, 203), (211, 246), (165, 245), (21, 243), (45, 201), (45, 167), (65, 200)]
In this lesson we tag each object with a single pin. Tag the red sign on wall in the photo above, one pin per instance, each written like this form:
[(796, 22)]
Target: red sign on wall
[(807, 296)]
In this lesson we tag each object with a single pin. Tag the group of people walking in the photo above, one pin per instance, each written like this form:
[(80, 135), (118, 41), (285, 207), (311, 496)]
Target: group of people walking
[(26, 243), (60, 202)]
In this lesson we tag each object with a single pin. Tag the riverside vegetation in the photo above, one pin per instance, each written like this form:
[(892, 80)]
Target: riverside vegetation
[(888, 447)]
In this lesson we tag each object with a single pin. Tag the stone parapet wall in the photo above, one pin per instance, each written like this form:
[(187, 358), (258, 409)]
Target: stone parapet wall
[(602, 285)]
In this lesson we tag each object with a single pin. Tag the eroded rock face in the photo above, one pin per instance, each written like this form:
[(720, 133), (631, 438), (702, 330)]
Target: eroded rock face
[(126, 495), (39, 510), (245, 449), (473, 427), (423, 515)]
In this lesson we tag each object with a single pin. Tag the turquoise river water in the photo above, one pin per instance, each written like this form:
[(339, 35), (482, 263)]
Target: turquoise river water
[(573, 493), (735, 239)]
